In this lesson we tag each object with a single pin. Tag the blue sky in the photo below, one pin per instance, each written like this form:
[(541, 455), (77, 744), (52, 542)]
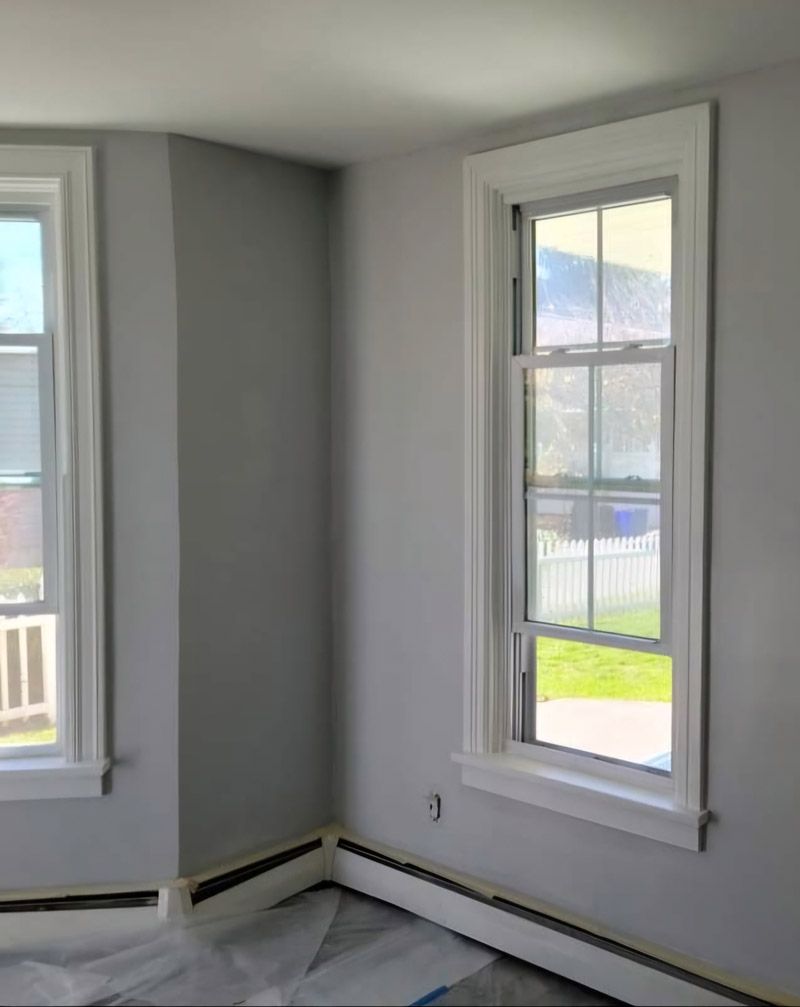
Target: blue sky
[(21, 302)]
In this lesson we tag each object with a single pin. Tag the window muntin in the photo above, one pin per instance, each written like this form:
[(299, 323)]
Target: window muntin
[(593, 422), (30, 638)]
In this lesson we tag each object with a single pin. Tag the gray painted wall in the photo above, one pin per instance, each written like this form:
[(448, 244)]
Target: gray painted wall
[(398, 477), (131, 834), (248, 314), (251, 240)]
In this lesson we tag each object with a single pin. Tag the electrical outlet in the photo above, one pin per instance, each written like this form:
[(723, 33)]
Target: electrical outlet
[(434, 807)]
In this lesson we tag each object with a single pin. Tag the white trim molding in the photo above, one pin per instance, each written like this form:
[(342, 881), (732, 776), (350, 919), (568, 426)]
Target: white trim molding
[(57, 185), (620, 805), (674, 146), (40, 777)]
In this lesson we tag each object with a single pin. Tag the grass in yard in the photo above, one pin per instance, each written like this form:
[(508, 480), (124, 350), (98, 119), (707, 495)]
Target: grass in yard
[(640, 622), (36, 736), (569, 670), (18, 581)]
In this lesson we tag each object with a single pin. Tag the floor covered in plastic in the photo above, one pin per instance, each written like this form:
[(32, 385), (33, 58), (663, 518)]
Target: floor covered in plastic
[(326, 946)]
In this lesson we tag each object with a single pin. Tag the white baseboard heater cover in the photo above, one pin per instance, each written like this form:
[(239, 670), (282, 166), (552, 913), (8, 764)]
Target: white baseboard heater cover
[(577, 954), (263, 882)]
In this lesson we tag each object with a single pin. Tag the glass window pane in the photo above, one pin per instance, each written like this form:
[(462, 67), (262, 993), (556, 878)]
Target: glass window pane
[(598, 527), (558, 558), (565, 256), (637, 248), (27, 681), (603, 700), (557, 425), (21, 548), (21, 276), (628, 424), (627, 568)]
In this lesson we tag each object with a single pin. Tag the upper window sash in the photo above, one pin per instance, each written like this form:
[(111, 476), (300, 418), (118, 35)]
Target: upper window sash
[(602, 199)]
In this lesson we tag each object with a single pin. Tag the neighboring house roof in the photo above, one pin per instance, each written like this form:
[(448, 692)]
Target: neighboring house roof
[(636, 302)]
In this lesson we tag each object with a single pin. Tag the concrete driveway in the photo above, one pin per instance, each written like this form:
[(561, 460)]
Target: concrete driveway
[(633, 730)]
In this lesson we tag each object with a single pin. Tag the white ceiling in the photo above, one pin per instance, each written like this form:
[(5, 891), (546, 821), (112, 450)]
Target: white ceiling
[(336, 81)]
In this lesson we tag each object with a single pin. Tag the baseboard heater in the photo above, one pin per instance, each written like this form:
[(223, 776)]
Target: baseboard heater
[(205, 889), (39, 920), (72, 903), (567, 949), (219, 883)]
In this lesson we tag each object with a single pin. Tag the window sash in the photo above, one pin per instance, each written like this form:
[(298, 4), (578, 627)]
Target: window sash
[(525, 631), (664, 356), (529, 212), (612, 770)]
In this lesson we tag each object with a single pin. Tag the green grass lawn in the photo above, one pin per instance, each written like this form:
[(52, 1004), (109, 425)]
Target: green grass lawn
[(36, 736), (20, 581), (569, 670)]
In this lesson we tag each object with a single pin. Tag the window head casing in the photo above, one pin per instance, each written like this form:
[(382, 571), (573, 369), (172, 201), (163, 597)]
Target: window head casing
[(51, 595), (587, 316)]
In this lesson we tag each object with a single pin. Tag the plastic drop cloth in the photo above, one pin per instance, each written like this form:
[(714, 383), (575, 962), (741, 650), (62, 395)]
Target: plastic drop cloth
[(322, 947), (516, 984)]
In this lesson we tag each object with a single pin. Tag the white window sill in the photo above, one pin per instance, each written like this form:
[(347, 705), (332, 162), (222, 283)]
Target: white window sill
[(26, 779), (624, 806)]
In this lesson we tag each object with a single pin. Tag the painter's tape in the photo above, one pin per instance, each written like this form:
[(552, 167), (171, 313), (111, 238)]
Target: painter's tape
[(430, 997)]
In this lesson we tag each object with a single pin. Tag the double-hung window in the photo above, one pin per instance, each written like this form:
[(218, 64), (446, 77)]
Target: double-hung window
[(591, 440), (587, 289), (51, 685)]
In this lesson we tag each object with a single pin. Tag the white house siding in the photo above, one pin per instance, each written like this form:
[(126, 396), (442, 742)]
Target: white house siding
[(19, 415)]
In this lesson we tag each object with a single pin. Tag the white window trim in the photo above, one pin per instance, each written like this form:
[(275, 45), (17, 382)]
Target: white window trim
[(60, 181), (674, 144)]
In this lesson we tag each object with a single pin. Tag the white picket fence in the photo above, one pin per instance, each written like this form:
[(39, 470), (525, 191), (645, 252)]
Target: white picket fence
[(626, 575), (27, 669)]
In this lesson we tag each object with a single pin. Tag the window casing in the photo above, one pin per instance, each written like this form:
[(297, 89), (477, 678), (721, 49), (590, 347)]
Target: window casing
[(659, 162), (51, 633)]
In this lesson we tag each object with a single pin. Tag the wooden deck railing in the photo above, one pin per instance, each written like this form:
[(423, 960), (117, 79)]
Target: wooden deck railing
[(27, 669)]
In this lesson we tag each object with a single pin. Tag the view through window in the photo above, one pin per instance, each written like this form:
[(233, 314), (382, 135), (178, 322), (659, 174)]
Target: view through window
[(27, 614), (596, 400)]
